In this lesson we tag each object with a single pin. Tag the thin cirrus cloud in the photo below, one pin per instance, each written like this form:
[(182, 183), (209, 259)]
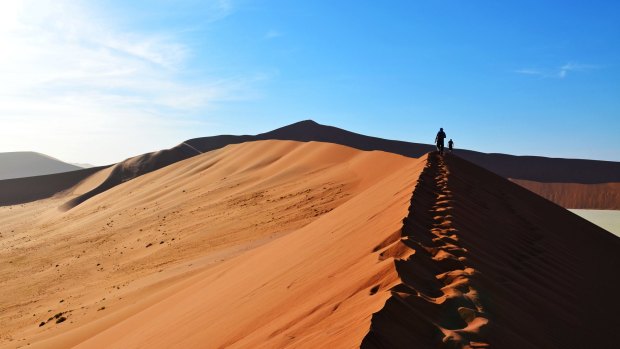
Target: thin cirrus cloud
[(272, 34), (560, 72), (68, 71)]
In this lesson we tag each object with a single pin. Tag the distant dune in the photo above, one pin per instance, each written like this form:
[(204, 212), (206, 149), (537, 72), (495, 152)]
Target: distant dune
[(83, 165), (601, 196), (572, 183), (28, 164)]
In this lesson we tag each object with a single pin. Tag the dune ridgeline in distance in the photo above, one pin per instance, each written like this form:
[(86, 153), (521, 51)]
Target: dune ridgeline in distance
[(30, 164), (571, 183), (310, 236)]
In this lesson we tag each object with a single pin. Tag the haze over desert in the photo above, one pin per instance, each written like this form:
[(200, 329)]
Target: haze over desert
[(273, 174)]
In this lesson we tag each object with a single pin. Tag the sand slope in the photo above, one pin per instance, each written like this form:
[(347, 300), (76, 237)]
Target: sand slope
[(313, 288), (135, 167), (378, 251), (117, 250)]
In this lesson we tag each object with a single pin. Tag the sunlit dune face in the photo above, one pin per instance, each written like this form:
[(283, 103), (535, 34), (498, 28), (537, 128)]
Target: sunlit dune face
[(166, 225)]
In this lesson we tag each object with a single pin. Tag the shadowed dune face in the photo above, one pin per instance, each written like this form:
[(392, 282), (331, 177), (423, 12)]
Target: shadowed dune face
[(23, 190), (491, 264), (136, 240)]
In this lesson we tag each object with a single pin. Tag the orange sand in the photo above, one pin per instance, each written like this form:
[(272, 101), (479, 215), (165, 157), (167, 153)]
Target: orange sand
[(276, 244), (205, 209)]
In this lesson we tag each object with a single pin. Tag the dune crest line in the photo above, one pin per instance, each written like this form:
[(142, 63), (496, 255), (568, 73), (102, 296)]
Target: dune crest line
[(437, 302)]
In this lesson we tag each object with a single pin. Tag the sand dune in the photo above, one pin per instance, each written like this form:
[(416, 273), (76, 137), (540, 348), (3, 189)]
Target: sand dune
[(28, 164), (109, 251), (572, 183), (552, 178), (277, 244), (315, 287), (28, 189), (135, 167), (603, 196), (491, 264), (533, 168)]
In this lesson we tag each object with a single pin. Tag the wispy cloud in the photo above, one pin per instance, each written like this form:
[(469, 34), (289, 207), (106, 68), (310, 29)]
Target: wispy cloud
[(529, 72), (574, 67), (560, 72), (67, 72), (272, 34)]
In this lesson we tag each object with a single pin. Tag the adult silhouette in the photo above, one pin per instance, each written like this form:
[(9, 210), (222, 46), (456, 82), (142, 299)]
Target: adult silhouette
[(439, 140)]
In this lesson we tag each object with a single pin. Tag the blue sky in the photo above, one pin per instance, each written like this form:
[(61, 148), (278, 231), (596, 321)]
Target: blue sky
[(99, 81)]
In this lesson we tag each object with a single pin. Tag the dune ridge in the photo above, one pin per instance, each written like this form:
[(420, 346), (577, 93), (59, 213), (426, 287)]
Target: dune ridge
[(553, 178), (436, 303), (492, 264), (579, 182), (135, 167)]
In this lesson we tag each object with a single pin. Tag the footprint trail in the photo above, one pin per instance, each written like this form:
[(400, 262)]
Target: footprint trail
[(437, 303)]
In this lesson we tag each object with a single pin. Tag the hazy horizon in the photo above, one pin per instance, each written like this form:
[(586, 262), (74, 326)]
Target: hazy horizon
[(100, 81), (88, 165)]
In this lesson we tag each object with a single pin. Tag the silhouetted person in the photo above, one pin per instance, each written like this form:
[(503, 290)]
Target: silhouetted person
[(439, 140), (450, 145)]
